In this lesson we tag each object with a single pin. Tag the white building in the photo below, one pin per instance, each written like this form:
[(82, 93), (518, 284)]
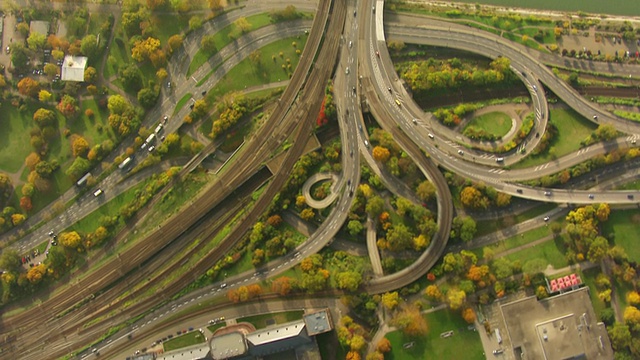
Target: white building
[(73, 68)]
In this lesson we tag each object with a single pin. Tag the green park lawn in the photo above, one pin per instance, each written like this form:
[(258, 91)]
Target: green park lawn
[(551, 251), (182, 341), (222, 38), (14, 136), (112, 208), (634, 185), (572, 129), (496, 123), (264, 320), (168, 24), (515, 241), (118, 55), (217, 326), (625, 225), (247, 74), (464, 344), (589, 278)]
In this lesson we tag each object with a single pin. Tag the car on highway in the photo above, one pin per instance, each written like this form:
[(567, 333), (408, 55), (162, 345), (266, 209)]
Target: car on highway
[(151, 148), (546, 218), (377, 53), (389, 89), (498, 351), (535, 88), (398, 102), (50, 233), (366, 143), (350, 44), (500, 159), (519, 191), (547, 193), (630, 196), (346, 71), (98, 192), (415, 121), (591, 196), (431, 136), (460, 152), (165, 119), (223, 285)]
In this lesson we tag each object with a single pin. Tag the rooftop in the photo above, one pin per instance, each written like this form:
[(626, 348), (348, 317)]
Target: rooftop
[(281, 332), (73, 68), (195, 352), (318, 322), (560, 327), (228, 345)]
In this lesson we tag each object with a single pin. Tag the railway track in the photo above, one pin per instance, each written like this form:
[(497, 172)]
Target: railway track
[(177, 225)]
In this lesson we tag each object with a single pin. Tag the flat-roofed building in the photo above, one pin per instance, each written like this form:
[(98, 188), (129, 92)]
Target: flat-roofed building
[(277, 339), (194, 352), (560, 327), (228, 346), (318, 322), (73, 68)]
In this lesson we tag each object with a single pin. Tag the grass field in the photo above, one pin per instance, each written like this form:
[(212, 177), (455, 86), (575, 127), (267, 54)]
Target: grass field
[(517, 240), (551, 251), (616, 7), (217, 326), (496, 123), (190, 338), (264, 320), (247, 74), (223, 39), (182, 102), (572, 129), (90, 222), (14, 137), (634, 185), (625, 225), (589, 278), (464, 344), (168, 25)]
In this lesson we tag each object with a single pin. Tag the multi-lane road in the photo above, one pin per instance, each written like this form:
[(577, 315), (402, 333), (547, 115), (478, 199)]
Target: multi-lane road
[(364, 73)]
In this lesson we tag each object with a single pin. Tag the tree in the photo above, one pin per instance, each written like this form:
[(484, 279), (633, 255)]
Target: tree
[(355, 227), (17, 219), (243, 25), (9, 260), (208, 44), (282, 285), (44, 96), (502, 268), (597, 249), (456, 298), (633, 298), (606, 132), (632, 318), (469, 315), (90, 75), (162, 74), (603, 211), (79, 146), (399, 237), (147, 98), (390, 300), (381, 154), (36, 41), (175, 42), (307, 214), (3, 81), (89, 46), (357, 342), (68, 106), (19, 56), (410, 321), (28, 87), (36, 273), (620, 336), (215, 5), (79, 167), (25, 203), (142, 49), (195, 23), (433, 293), (473, 198), (464, 228), (375, 206), (349, 280), (130, 77), (426, 191), (70, 239), (353, 355), (384, 345)]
